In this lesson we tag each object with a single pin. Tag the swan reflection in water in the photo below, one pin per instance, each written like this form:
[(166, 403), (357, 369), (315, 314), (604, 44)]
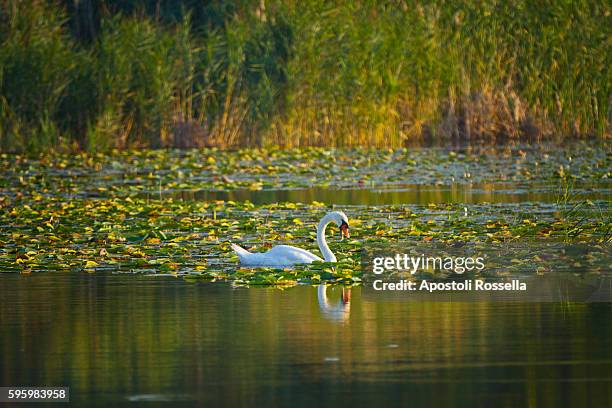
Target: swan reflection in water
[(338, 311)]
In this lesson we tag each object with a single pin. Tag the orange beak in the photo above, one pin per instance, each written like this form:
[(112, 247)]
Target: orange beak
[(345, 231)]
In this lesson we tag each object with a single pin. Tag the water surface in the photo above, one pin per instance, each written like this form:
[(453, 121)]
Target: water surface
[(117, 339), (401, 194)]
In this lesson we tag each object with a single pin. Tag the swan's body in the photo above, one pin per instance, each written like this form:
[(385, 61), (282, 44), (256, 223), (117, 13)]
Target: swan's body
[(280, 256), (287, 255)]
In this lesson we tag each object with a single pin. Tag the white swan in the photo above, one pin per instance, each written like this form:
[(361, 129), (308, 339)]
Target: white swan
[(286, 255)]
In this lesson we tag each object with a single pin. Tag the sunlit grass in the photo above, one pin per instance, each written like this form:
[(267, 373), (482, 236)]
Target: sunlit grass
[(302, 73)]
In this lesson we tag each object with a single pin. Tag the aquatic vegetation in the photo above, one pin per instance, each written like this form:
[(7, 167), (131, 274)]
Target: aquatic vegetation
[(124, 213), (191, 239), (155, 173)]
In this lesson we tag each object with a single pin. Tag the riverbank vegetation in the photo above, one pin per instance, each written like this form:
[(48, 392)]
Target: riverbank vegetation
[(101, 75)]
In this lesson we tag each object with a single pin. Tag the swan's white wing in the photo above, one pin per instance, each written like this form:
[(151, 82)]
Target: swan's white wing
[(291, 255), (279, 256)]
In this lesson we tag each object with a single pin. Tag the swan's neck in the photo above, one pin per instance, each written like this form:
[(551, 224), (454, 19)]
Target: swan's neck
[(327, 253)]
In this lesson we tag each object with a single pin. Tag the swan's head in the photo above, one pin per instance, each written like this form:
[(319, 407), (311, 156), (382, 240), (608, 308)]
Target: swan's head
[(341, 220)]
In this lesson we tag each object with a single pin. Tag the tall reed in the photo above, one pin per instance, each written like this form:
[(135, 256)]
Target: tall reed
[(116, 74)]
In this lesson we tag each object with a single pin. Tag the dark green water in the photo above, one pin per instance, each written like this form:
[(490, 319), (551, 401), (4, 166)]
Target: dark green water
[(119, 339)]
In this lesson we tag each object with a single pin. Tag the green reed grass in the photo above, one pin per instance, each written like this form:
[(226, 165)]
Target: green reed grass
[(98, 75)]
